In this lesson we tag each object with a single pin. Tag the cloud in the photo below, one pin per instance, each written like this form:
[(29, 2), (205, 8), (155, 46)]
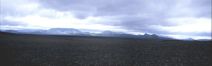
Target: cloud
[(181, 36), (190, 24), (11, 23), (18, 7), (165, 17), (131, 7)]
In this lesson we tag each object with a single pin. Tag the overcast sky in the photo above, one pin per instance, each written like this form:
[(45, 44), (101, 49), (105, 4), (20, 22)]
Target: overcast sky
[(175, 18)]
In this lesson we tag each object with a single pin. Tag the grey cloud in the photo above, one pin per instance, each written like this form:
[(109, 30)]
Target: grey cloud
[(136, 15), (11, 23), (204, 34), (204, 6), (126, 7), (106, 7), (139, 24), (11, 7), (153, 8)]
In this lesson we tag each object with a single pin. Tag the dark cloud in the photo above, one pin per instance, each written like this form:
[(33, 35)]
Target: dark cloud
[(204, 6), (15, 7), (153, 9), (126, 7)]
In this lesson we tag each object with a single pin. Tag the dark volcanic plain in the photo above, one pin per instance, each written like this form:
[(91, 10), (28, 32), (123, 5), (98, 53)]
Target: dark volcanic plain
[(43, 50)]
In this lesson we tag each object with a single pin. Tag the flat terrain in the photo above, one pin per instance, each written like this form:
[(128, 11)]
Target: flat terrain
[(42, 50)]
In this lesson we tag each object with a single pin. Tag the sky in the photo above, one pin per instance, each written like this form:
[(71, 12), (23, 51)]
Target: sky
[(174, 18)]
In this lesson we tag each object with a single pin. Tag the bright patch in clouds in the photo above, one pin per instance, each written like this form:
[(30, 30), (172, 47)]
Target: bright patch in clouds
[(188, 25), (53, 19), (188, 37)]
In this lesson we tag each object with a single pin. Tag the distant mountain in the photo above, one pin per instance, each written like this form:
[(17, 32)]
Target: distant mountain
[(125, 35), (189, 39), (110, 33), (63, 31), (11, 31), (205, 40), (75, 32), (24, 31), (148, 36)]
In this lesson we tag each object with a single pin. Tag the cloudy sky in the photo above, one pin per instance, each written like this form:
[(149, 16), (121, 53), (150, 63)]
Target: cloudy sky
[(174, 18)]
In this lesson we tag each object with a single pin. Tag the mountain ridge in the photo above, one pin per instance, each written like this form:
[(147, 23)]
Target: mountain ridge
[(76, 32)]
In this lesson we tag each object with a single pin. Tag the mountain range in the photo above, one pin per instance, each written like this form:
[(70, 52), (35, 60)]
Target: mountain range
[(76, 32)]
